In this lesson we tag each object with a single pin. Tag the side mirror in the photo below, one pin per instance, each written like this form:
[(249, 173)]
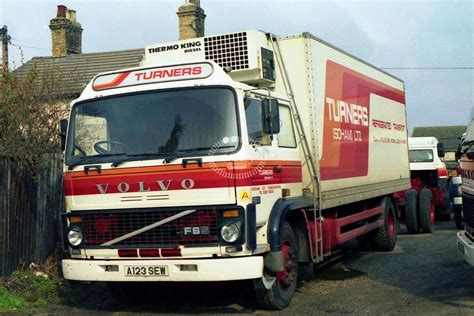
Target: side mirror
[(270, 116), (440, 147), (458, 154), (62, 132)]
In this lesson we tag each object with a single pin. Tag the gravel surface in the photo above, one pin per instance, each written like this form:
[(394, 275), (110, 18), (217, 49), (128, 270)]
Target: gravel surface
[(423, 275)]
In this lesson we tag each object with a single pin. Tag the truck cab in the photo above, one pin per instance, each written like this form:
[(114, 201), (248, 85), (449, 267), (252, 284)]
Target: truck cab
[(426, 155), (146, 149), (428, 196), (428, 170)]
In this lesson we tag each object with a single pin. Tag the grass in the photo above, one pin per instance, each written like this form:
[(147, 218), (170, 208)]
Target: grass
[(25, 291), (9, 301)]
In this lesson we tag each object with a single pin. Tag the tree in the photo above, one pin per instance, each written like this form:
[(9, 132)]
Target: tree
[(30, 109)]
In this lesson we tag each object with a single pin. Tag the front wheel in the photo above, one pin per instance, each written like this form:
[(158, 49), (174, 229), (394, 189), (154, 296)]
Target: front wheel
[(283, 287)]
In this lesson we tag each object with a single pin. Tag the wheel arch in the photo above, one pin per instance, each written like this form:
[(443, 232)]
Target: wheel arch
[(280, 212), (289, 209)]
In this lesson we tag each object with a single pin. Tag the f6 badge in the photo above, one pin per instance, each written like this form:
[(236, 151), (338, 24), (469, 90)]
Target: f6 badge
[(196, 230)]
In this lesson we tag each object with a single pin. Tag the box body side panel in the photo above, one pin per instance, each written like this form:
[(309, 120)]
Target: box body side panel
[(355, 117)]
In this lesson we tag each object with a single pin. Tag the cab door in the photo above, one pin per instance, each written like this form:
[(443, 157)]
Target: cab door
[(289, 167)]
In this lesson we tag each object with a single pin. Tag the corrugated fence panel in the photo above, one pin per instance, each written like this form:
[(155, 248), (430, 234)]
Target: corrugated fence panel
[(29, 213), (4, 211)]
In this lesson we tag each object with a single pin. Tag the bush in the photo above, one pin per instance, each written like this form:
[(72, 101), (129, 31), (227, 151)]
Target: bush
[(29, 116)]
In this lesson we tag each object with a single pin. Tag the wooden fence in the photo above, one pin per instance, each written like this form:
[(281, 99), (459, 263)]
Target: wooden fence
[(29, 213)]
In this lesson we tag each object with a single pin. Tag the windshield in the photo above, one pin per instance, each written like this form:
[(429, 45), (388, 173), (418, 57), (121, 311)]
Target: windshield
[(424, 155), (159, 123)]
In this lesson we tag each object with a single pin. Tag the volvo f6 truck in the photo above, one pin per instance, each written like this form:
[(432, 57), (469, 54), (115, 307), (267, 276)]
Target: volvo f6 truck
[(465, 238), (240, 156)]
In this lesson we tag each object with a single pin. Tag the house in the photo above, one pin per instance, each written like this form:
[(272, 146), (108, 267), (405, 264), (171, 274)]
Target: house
[(65, 74), (448, 135)]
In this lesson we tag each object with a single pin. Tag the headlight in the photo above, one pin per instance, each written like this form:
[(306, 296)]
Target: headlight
[(230, 233), (74, 236)]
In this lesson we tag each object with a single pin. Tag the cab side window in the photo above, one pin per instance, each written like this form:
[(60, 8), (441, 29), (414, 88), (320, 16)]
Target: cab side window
[(286, 138), (253, 116)]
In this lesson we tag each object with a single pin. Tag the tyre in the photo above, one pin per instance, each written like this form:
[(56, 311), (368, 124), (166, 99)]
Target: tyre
[(444, 213), (366, 241), (458, 216), (457, 209), (281, 292), (385, 237), (305, 271), (411, 214), (427, 211)]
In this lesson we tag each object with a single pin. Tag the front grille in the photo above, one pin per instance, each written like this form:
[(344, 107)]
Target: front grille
[(228, 50), (100, 228), (468, 214)]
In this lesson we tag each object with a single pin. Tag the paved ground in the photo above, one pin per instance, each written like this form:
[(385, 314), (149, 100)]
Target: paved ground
[(423, 275)]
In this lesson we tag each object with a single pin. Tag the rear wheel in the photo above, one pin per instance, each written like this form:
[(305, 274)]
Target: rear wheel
[(366, 241), (385, 237), (411, 214), (427, 211), (283, 287)]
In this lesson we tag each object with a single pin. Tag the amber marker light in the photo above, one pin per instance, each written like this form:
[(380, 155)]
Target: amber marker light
[(230, 213), (74, 219)]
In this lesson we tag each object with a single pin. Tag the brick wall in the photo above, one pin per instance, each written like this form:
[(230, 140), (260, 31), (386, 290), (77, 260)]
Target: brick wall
[(66, 35), (191, 21)]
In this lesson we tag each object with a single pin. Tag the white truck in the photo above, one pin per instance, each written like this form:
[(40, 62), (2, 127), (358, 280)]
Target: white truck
[(465, 238), (232, 157), (428, 196)]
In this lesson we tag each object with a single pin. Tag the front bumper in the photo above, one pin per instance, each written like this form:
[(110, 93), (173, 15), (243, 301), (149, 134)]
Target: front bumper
[(222, 269), (465, 247)]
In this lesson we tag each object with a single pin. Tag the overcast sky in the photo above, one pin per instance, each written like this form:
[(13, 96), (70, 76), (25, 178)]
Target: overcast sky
[(385, 33)]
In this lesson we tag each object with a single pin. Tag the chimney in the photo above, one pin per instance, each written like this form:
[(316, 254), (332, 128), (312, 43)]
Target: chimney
[(191, 20), (66, 33)]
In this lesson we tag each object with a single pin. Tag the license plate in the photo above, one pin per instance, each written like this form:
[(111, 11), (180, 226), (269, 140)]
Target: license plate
[(461, 248), (146, 271)]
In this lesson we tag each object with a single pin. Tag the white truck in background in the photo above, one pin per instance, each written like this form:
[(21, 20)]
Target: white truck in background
[(428, 196), (231, 157)]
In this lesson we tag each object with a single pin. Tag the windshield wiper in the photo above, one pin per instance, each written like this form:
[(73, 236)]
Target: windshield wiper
[(88, 159), (192, 152), (134, 157)]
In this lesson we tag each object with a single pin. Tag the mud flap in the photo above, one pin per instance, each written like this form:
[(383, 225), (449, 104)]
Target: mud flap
[(273, 261)]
